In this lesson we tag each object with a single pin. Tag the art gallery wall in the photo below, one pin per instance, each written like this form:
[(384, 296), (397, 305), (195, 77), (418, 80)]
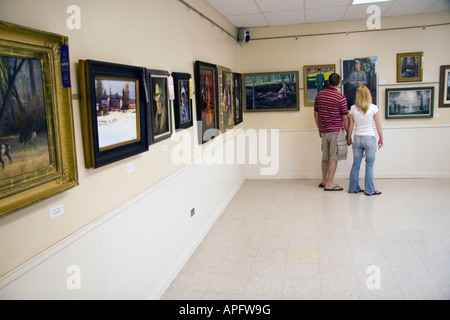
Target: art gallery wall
[(125, 230), (414, 148), (156, 34)]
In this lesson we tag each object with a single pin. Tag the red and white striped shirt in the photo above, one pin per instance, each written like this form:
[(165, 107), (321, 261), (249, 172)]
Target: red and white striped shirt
[(331, 106)]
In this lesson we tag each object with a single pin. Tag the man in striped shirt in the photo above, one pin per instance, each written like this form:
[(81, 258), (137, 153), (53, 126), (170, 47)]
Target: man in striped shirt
[(331, 116)]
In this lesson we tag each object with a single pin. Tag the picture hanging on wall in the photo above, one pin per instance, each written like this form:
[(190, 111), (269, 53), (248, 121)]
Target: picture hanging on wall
[(407, 103), (315, 79), (358, 72), (444, 87), (114, 112), (160, 111), (206, 101), (271, 91), (183, 103), (226, 110), (37, 143), (409, 67), (237, 98)]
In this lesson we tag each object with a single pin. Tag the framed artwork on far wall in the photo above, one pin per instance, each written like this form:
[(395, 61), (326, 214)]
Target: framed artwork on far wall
[(226, 110), (409, 66), (182, 104), (407, 103), (444, 87), (160, 114), (37, 141), (271, 91), (114, 112), (206, 91), (237, 98), (358, 72), (315, 79)]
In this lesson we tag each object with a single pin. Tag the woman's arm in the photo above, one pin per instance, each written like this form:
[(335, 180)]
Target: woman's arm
[(376, 118)]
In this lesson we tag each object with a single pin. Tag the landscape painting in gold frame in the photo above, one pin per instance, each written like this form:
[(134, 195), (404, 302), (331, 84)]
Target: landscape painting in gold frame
[(38, 158)]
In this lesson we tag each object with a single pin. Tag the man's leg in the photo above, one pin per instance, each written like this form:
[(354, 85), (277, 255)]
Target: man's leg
[(332, 165), (324, 172)]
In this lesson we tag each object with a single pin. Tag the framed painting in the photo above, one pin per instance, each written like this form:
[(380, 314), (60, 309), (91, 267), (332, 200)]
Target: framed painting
[(406, 103), (444, 87), (37, 143), (183, 103), (271, 91), (315, 79), (409, 67), (114, 112), (358, 72), (206, 101), (160, 112), (237, 98), (226, 110)]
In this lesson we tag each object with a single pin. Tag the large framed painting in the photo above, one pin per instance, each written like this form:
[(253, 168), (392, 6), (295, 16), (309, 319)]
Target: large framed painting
[(226, 111), (114, 112), (160, 111), (315, 79), (37, 144), (407, 103), (444, 87), (206, 101), (237, 98), (183, 103), (409, 67), (271, 91), (358, 72)]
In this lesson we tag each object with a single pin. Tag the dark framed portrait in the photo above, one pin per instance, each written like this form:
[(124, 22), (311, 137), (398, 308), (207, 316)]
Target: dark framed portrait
[(183, 103), (206, 90), (315, 79), (237, 98), (358, 72), (409, 66), (444, 87), (271, 91), (113, 110), (160, 111), (226, 110), (407, 103), (37, 143)]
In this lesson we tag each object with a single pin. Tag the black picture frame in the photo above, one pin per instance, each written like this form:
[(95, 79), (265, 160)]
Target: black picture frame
[(160, 111), (207, 106), (97, 102), (271, 91), (409, 103), (182, 105), (444, 87), (237, 98)]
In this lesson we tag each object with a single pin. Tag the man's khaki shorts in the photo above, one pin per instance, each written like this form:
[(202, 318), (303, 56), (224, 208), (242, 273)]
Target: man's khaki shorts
[(334, 146)]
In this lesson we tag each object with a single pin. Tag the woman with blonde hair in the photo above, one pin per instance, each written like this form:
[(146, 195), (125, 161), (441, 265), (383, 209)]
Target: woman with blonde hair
[(362, 115)]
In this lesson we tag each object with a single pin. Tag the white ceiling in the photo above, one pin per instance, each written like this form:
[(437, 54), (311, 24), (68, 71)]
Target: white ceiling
[(264, 13)]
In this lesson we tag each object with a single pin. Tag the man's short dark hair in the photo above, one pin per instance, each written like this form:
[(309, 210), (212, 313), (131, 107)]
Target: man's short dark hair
[(334, 79)]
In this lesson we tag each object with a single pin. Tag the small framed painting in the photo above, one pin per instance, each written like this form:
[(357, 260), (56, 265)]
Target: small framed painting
[(182, 104), (315, 80), (444, 87), (226, 111), (160, 111), (409, 67)]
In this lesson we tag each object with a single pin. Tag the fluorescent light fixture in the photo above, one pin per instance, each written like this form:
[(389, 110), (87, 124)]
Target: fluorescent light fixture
[(368, 1)]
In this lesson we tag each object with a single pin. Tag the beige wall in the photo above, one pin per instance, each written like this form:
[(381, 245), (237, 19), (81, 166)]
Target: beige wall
[(288, 54), (157, 34)]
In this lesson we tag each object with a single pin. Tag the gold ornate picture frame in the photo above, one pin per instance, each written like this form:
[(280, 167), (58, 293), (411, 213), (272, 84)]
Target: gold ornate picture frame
[(409, 67), (38, 157)]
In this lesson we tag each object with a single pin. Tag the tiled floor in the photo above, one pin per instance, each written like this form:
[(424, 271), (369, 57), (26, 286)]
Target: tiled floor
[(288, 239)]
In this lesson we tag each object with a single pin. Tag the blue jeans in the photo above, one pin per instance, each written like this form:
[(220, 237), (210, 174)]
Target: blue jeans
[(361, 145)]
